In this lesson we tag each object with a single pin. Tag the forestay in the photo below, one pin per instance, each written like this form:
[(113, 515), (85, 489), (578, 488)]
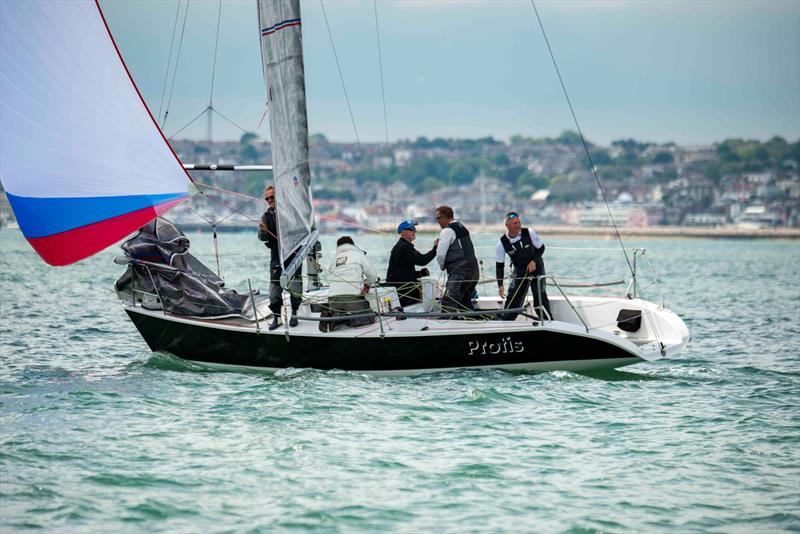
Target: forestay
[(282, 57), (81, 159)]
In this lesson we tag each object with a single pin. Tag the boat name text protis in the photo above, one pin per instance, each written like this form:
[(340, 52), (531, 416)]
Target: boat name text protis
[(505, 346)]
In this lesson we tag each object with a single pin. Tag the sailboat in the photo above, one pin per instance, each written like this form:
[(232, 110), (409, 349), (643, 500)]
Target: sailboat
[(85, 164)]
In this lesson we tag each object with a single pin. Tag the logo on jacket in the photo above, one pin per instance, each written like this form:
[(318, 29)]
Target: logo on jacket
[(295, 181)]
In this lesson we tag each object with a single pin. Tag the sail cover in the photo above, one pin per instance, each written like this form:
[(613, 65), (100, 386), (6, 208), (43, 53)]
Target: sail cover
[(282, 56), (81, 159)]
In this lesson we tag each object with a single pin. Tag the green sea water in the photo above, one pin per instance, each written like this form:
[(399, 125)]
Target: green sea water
[(98, 434)]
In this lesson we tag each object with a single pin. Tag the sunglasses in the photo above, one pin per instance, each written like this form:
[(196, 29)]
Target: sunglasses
[(512, 215), (268, 199)]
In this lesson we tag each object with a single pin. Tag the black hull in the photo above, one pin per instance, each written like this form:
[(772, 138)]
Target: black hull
[(535, 348)]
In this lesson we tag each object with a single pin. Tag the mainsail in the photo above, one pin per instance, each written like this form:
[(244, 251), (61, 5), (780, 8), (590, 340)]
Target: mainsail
[(282, 57), (81, 159)]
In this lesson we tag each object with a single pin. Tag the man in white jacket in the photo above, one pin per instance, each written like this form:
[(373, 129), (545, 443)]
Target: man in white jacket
[(350, 276)]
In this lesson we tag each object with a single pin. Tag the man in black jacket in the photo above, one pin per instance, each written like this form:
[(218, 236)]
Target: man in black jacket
[(403, 260), (268, 233), (525, 248)]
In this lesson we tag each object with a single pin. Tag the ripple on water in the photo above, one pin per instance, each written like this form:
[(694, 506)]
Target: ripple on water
[(99, 434), (139, 481)]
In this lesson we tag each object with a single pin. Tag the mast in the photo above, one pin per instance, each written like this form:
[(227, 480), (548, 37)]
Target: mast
[(282, 58)]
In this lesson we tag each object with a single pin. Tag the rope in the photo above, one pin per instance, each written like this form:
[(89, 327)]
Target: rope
[(356, 225), (583, 140), (341, 77)]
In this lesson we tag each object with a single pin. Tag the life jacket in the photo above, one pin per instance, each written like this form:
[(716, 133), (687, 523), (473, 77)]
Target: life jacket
[(521, 252), (460, 256)]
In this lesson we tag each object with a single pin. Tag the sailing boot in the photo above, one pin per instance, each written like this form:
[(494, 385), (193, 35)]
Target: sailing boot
[(293, 321), (276, 322)]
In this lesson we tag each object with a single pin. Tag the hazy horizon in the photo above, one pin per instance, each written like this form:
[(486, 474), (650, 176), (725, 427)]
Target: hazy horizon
[(683, 72)]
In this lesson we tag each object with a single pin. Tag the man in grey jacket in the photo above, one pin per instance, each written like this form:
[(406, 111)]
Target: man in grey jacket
[(456, 255)]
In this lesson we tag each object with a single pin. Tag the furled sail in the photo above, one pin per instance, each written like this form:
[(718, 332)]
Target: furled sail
[(282, 56), (81, 159)]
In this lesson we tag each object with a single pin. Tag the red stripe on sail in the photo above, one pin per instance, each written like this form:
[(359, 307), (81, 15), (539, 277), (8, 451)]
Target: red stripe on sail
[(270, 32), (74, 245)]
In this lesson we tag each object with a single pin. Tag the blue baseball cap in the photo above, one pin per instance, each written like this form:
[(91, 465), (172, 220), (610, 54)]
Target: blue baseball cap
[(406, 225)]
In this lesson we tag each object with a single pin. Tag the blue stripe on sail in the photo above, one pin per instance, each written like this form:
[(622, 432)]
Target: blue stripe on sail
[(41, 217)]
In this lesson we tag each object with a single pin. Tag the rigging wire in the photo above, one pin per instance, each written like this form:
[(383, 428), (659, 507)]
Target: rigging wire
[(187, 124), (380, 70), (210, 107), (228, 119), (169, 60), (583, 140), (177, 61), (341, 76), (383, 99), (214, 63)]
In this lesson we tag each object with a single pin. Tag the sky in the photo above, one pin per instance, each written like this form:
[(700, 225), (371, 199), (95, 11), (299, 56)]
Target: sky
[(690, 72)]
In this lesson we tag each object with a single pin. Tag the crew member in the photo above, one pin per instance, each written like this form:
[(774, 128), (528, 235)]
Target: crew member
[(402, 262), (268, 233), (525, 248), (456, 255), (350, 277)]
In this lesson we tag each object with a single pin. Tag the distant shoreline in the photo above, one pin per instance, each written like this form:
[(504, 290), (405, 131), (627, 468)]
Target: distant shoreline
[(571, 231)]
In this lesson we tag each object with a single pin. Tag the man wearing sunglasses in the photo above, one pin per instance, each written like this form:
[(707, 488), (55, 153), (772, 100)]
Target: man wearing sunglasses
[(268, 233), (456, 255), (525, 248), (403, 260)]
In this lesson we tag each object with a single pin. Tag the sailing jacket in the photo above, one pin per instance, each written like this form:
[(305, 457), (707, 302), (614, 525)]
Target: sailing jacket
[(521, 249), (349, 271), (403, 259), (270, 237), (456, 254)]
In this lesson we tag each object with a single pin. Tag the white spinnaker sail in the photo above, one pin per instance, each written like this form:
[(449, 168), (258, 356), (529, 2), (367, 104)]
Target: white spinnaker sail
[(282, 57), (81, 159)]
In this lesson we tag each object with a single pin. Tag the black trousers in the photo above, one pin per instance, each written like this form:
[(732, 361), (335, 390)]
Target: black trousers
[(408, 292), (517, 292), (458, 294), (276, 291)]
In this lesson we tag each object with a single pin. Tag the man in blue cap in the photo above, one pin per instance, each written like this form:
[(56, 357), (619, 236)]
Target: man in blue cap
[(403, 261)]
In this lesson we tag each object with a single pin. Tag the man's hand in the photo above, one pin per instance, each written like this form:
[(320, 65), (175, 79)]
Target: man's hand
[(436, 243), (502, 292), (365, 289), (531, 266), (262, 227)]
